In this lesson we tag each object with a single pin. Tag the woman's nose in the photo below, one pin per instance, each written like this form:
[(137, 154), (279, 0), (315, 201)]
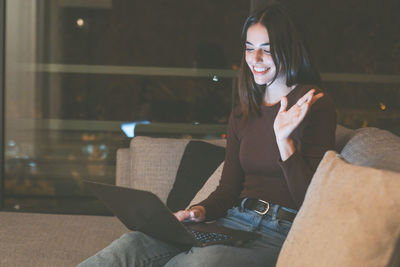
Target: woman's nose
[(258, 55)]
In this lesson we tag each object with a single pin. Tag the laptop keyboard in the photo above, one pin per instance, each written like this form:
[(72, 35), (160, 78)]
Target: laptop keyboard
[(206, 237)]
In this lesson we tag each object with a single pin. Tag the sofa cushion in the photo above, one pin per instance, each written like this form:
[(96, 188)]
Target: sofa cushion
[(342, 136), (199, 161), (209, 186), (47, 240), (373, 147), (123, 167), (155, 162), (350, 217)]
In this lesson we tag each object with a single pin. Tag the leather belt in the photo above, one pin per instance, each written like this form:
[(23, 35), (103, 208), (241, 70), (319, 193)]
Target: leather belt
[(262, 207)]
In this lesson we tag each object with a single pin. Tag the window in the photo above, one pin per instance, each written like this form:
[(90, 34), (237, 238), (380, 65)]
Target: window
[(77, 72)]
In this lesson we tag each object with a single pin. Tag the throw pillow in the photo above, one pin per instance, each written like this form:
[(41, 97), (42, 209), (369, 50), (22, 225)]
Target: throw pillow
[(350, 217), (199, 161), (342, 136), (208, 187), (373, 147)]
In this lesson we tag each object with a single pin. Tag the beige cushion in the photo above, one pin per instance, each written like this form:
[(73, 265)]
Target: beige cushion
[(350, 217), (154, 163), (209, 186), (48, 240), (123, 167)]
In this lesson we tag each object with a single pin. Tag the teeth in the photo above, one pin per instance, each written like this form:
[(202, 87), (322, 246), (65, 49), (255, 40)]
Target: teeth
[(260, 69)]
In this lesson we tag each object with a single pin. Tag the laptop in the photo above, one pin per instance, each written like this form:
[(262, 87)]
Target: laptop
[(143, 211)]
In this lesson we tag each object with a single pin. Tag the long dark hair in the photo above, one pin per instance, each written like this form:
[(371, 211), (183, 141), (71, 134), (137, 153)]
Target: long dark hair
[(289, 53)]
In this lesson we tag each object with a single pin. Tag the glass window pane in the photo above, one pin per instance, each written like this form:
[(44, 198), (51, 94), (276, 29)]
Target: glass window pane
[(79, 70), (80, 74)]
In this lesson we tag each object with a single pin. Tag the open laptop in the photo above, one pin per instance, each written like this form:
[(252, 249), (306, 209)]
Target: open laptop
[(143, 211)]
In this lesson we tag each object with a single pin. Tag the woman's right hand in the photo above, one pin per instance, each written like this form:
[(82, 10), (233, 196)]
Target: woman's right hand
[(194, 214)]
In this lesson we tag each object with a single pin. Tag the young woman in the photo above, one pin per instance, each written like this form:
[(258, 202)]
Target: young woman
[(276, 139)]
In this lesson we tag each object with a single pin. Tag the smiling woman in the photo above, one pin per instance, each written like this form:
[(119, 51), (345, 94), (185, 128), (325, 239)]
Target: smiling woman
[(276, 56), (275, 140), (258, 55)]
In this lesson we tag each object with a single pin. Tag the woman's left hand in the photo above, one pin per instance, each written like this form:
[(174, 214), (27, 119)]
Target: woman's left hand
[(288, 120), (194, 214)]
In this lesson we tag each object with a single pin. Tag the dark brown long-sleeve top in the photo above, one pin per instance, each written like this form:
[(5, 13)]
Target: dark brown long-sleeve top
[(253, 167)]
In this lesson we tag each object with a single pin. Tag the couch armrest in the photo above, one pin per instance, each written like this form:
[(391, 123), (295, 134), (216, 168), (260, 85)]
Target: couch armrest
[(123, 169)]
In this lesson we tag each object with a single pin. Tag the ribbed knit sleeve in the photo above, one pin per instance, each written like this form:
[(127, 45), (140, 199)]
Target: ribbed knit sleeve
[(316, 137), (230, 186), (253, 167)]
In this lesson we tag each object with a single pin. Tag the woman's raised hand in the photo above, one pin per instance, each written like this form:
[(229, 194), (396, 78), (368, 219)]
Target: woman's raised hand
[(288, 120), (194, 214)]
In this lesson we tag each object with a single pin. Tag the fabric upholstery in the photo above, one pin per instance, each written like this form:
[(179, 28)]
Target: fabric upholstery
[(209, 186), (350, 217), (123, 167), (65, 240), (154, 163), (199, 161), (342, 136), (49, 240), (373, 147)]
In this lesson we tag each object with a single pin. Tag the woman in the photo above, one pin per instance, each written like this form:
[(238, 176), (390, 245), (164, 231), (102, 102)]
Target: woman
[(276, 139)]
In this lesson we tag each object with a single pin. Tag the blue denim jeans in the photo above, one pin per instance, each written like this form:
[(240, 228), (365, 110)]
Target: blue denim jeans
[(138, 249)]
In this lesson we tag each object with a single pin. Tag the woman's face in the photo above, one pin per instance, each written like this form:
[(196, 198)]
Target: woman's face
[(258, 55)]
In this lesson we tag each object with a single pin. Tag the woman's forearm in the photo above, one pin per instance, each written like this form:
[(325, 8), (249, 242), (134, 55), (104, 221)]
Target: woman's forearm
[(286, 148)]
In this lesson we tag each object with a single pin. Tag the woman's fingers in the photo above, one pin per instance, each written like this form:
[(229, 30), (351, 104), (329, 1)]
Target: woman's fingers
[(284, 103), (309, 98), (195, 214), (316, 97), (286, 121), (182, 215), (306, 98)]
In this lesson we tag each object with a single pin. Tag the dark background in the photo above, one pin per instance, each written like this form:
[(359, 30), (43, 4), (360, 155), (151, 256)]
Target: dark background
[(45, 166)]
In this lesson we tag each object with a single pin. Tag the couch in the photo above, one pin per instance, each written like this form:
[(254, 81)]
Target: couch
[(29, 239)]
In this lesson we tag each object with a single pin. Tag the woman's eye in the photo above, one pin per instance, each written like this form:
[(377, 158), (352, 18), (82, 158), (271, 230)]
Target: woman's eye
[(267, 51), (249, 49)]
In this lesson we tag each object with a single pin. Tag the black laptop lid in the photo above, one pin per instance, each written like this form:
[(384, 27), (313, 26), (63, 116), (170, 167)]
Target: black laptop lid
[(142, 211)]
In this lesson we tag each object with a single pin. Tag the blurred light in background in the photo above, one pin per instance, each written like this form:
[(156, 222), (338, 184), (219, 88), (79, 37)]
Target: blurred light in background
[(129, 127), (80, 23)]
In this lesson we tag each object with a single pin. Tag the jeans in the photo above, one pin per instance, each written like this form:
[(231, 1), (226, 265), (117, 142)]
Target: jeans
[(138, 249)]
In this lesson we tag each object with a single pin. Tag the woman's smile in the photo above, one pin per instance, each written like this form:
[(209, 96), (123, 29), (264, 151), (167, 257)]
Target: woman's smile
[(260, 70)]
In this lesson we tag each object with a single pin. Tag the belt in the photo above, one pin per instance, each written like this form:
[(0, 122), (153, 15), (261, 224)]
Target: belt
[(262, 207)]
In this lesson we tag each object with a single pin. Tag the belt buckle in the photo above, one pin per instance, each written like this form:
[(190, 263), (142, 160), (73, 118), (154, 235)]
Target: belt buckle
[(266, 208)]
